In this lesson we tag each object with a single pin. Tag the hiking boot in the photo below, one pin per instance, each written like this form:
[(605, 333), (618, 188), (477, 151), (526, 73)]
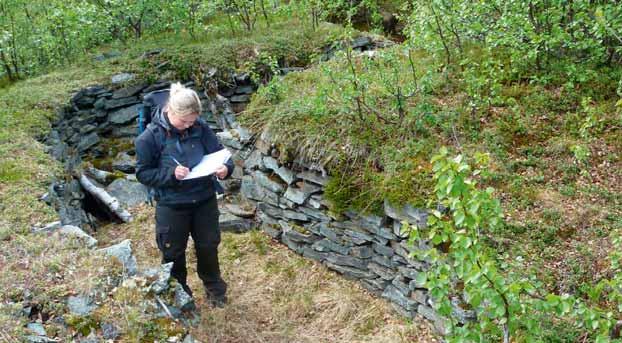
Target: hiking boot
[(215, 300)]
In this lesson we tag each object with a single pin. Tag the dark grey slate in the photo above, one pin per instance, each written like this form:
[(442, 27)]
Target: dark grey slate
[(296, 195), (263, 180), (408, 272), (228, 222), (346, 224), (123, 102), (94, 90), (420, 296), (285, 203), (296, 246), (276, 212), (270, 163), (377, 283), (371, 287), (331, 233), (124, 115), (326, 245), (399, 230), (229, 140), (349, 272), (88, 142), (382, 271), (414, 284), (312, 254), (314, 177), (408, 213), (252, 190), (254, 161), (124, 163), (362, 251), (74, 231), (358, 237), (383, 250), (401, 284), (314, 203), (83, 101), (383, 261), (394, 295), (100, 105), (128, 91), (87, 128), (315, 214), (398, 260), (269, 225), (296, 236), (286, 175), (129, 193), (347, 261), (272, 230)]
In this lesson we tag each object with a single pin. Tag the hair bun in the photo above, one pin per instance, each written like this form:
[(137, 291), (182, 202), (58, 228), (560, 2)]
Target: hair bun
[(176, 88)]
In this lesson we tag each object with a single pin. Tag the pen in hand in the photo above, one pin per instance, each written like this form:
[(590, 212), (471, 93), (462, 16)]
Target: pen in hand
[(180, 172), (175, 160)]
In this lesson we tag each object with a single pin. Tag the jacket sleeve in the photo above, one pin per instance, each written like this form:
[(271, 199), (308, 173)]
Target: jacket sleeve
[(147, 163), (210, 141)]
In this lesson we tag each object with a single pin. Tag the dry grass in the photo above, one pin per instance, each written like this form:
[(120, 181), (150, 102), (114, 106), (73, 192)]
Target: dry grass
[(278, 296)]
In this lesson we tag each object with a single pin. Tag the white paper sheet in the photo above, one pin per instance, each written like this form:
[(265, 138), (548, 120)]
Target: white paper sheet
[(208, 164)]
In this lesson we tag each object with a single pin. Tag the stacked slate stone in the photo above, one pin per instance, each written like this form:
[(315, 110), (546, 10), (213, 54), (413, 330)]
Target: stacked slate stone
[(360, 44), (97, 113), (372, 249)]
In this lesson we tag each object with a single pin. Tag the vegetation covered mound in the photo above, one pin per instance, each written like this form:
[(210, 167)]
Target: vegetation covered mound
[(535, 87)]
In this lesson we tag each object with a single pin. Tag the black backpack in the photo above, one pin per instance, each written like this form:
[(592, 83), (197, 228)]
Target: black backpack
[(153, 102)]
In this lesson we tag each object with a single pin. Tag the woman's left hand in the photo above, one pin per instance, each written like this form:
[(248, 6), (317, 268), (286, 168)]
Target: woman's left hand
[(221, 172)]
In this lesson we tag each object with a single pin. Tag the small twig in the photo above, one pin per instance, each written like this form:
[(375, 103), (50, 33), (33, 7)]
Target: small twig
[(168, 312), (455, 136)]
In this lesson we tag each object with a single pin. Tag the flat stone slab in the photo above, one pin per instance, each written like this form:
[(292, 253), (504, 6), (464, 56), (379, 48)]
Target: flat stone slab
[(80, 305), (228, 222), (123, 252), (125, 115), (71, 230), (129, 193)]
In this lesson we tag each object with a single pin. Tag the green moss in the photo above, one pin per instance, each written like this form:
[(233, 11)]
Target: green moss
[(82, 324)]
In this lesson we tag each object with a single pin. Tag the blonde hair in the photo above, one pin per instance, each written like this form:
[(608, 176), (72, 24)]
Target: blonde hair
[(183, 101)]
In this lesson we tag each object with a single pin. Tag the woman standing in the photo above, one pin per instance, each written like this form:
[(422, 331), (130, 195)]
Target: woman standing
[(173, 143)]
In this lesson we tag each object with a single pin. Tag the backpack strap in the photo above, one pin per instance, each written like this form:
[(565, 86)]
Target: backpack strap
[(158, 136)]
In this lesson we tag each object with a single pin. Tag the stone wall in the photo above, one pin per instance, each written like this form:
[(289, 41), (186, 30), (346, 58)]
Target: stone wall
[(371, 249)]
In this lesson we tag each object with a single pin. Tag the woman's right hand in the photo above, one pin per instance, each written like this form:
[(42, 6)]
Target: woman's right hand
[(181, 172)]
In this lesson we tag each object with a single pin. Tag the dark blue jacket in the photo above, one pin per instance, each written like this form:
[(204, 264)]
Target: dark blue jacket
[(158, 147)]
